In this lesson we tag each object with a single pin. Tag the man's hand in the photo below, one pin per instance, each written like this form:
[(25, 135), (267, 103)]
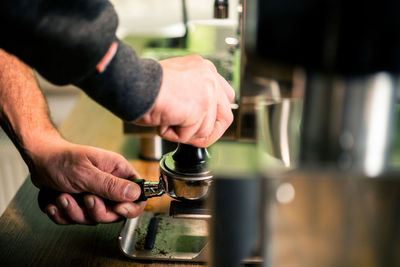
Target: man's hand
[(71, 168), (193, 105)]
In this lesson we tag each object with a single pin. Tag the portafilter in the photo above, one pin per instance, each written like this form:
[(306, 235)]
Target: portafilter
[(183, 176)]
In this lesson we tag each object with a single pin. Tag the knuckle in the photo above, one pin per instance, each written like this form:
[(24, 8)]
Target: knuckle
[(119, 167), (75, 185), (209, 63), (97, 217), (208, 97), (110, 185), (231, 95), (206, 129), (230, 117), (58, 221), (196, 57), (133, 211), (201, 142), (225, 116), (224, 124), (211, 66), (35, 181), (119, 158), (184, 135)]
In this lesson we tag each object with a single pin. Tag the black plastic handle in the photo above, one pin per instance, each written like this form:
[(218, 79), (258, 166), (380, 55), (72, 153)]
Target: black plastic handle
[(190, 159), (142, 197), (48, 196)]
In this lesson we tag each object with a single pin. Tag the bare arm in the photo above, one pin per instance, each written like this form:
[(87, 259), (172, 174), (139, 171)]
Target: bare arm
[(23, 110), (56, 163)]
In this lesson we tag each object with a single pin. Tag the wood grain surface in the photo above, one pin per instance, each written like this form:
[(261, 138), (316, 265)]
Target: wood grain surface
[(29, 238)]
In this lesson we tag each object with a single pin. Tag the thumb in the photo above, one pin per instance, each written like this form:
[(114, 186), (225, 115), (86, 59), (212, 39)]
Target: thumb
[(113, 188)]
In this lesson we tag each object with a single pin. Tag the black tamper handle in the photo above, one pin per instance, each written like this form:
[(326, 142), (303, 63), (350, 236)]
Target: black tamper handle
[(190, 159)]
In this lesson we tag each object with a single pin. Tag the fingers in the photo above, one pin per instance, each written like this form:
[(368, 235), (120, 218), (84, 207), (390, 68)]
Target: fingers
[(98, 211), (169, 132), (218, 116), (106, 177), (223, 117), (229, 91), (111, 187), (129, 209), (223, 84), (207, 124), (67, 211), (217, 122), (203, 127), (54, 214), (222, 122)]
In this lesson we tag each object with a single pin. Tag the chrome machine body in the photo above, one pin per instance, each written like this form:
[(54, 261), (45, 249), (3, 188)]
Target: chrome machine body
[(336, 201)]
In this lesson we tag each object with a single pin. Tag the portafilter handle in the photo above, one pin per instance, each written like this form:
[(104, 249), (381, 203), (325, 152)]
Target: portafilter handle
[(188, 160), (148, 190)]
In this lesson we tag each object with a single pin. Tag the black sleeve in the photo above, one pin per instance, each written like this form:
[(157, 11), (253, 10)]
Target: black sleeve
[(65, 40), (144, 77)]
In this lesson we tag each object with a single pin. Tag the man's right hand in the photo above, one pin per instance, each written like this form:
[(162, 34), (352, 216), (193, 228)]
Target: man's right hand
[(193, 105)]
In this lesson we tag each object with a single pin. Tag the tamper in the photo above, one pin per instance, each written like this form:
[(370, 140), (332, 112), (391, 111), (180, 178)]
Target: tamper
[(183, 175)]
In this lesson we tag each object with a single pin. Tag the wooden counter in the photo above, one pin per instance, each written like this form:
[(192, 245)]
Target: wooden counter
[(28, 237)]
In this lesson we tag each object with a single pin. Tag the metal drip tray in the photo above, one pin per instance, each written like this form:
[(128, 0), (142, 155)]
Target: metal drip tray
[(174, 239)]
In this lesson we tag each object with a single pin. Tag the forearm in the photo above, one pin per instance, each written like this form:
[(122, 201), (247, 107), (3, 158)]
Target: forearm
[(65, 41), (23, 109)]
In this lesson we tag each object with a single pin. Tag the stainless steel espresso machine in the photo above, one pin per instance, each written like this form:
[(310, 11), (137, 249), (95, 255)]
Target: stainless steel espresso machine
[(336, 202), (322, 77)]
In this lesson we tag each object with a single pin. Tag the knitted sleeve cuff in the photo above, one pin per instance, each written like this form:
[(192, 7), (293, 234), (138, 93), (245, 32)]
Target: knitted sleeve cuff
[(128, 86)]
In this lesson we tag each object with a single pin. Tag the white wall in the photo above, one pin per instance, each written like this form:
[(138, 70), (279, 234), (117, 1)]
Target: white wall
[(162, 18)]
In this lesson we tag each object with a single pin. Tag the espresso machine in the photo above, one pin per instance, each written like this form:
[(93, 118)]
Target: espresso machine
[(326, 193), (316, 119)]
